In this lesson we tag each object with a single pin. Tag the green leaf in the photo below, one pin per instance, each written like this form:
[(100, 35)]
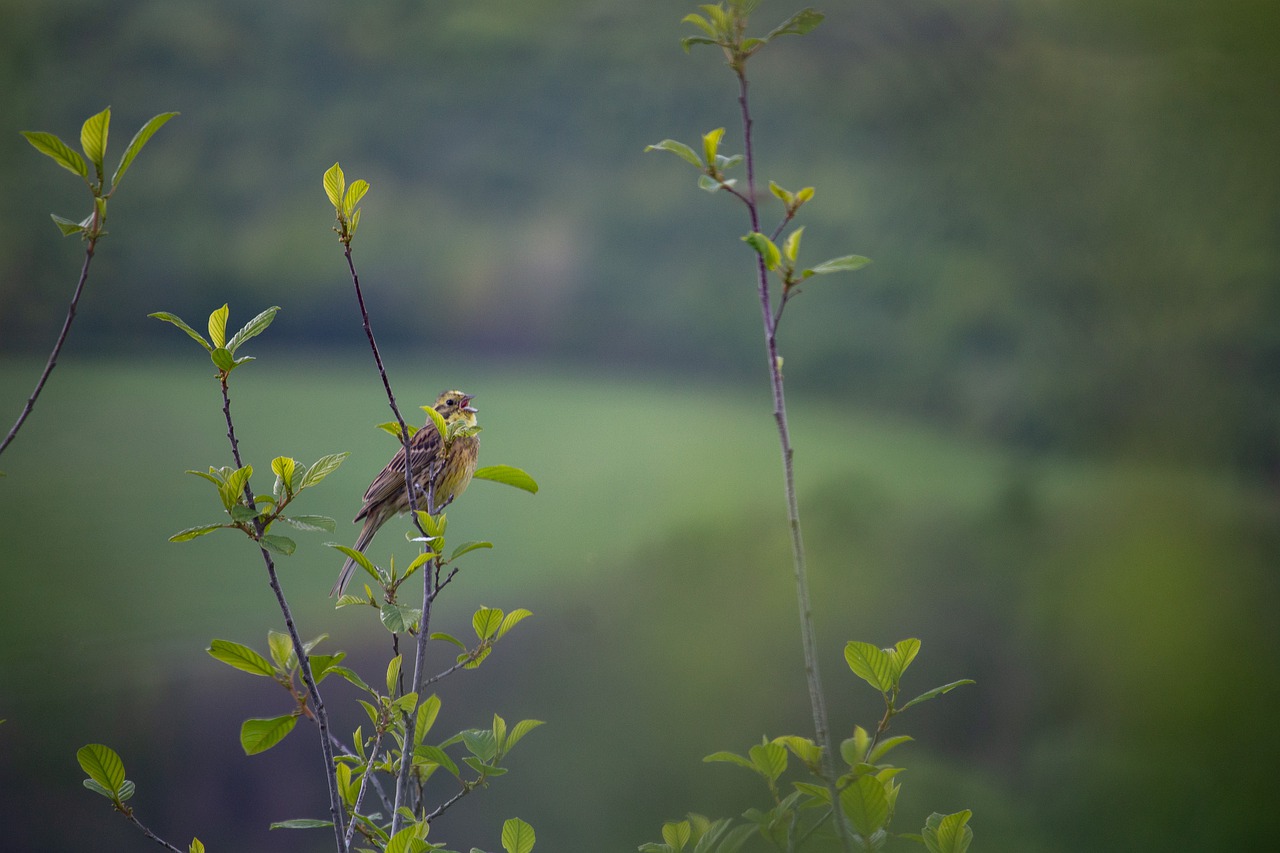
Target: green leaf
[(699, 22), (280, 544), (196, 846), (322, 664), (334, 185), (848, 263), (253, 328), (804, 195), (711, 144), (486, 621), (948, 833), (937, 691), (711, 185), (283, 466), (361, 560), (903, 653), (427, 713), (871, 664), (765, 247), (323, 468), (103, 765), (192, 532), (769, 760), (222, 359), (310, 523), (442, 429), (467, 548), (394, 428), (676, 834), (257, 735), (135, 145), (508, 475), (218, 326), (511, 620), (57, 150), (448, 638), (281, 648), (791, 246), (355, 192), (684, 152), (480, 743), (521, 729), (244, 514), (351, 677), (93, 138), (517, 836), (99, 789), (301, 823), (866, 805), (177, 321), (398, 618), (393, 673), (729, 757), (883, 747), (797, 25), (802, 747), (241, 657), (435, 755), (66, 226)]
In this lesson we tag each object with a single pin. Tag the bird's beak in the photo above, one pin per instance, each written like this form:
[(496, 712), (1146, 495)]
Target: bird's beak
[(466, 404)]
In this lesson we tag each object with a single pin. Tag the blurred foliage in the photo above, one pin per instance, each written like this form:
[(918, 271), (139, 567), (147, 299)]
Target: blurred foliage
[(1071, 205)]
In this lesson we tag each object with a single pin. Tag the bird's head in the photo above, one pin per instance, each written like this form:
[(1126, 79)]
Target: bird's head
[(453, 405)]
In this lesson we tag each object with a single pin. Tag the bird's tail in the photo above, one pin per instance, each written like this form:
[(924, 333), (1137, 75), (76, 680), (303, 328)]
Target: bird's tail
[(350, 566)]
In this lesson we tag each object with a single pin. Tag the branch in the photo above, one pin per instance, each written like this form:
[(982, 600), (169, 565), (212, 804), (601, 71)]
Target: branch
[(149, 834), (817, 699), (57, 347), (304, 660)]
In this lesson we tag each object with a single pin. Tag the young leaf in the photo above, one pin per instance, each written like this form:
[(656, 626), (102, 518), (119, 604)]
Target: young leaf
[(791, 246), (222, 359), (355, 192), (66, 226), (468, 547), (521, 729), (937, 691), (427, 713), (731, 758), (948, 833), (848, 263), (883, 747), (866, 805), (280, 544), (711, 144), (870, 664), (281, 648), (797, 25), (334, 185), (259, 735), (765, 247), (282, 467), (93, 138), (192, 532), (361, 560), (397, 618), (676, 834), (135, 145), (393, 673), (486, 622), (253, 328), (903, 653), (684, 152), (699, 22), (57, 150), (437, 419), (323, 467), (511, 620), (103, 765), (196, 846), (241, 657), (218, 326), (435, 755), (301, 823), (769, 760), (177, 321), (508, 475), (517, 836)]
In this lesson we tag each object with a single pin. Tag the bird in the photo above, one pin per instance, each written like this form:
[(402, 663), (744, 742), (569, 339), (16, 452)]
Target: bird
[(446, 466)]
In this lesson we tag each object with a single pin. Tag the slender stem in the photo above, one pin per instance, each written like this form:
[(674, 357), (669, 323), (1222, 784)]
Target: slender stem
[(377, 784), (364, 786), (149, 834), (420, 655), (440, 809), (304, 660), (57, 347), (817, 699)]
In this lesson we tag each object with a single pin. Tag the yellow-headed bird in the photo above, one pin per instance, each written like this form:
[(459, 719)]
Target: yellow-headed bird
[(448, 470)]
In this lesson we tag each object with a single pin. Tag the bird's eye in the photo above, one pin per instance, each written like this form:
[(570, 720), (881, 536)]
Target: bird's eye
[(453, 402)]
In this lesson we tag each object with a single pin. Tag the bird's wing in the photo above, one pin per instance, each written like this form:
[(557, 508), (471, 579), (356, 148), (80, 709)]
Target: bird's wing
[(425, 447)]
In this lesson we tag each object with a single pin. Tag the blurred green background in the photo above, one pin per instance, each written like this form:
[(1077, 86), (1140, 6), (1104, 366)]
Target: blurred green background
[(1039, 433)]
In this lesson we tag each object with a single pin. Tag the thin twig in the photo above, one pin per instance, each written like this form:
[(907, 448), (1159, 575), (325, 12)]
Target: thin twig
[(440, 809), (57, 347), (149, 834), (817, 699), (304, 660), (364, 786), (377, 783)]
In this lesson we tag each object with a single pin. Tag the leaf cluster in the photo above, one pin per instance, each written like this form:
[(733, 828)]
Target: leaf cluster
[(867, 786), (345, 200), (221, 350), (93, 142), (725, 26), (106, 775)]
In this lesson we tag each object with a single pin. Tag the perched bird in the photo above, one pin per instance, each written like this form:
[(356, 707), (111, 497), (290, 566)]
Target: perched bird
[(447, 470)]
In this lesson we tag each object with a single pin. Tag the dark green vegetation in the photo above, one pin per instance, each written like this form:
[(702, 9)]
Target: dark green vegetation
[(1103, 609), (1070, 206)]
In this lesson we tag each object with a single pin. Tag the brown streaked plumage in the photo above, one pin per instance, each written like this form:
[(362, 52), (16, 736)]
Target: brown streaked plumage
[(448, 473)]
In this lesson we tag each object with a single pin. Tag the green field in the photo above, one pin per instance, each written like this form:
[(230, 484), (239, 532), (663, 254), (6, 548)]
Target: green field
[(1098, 605)]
